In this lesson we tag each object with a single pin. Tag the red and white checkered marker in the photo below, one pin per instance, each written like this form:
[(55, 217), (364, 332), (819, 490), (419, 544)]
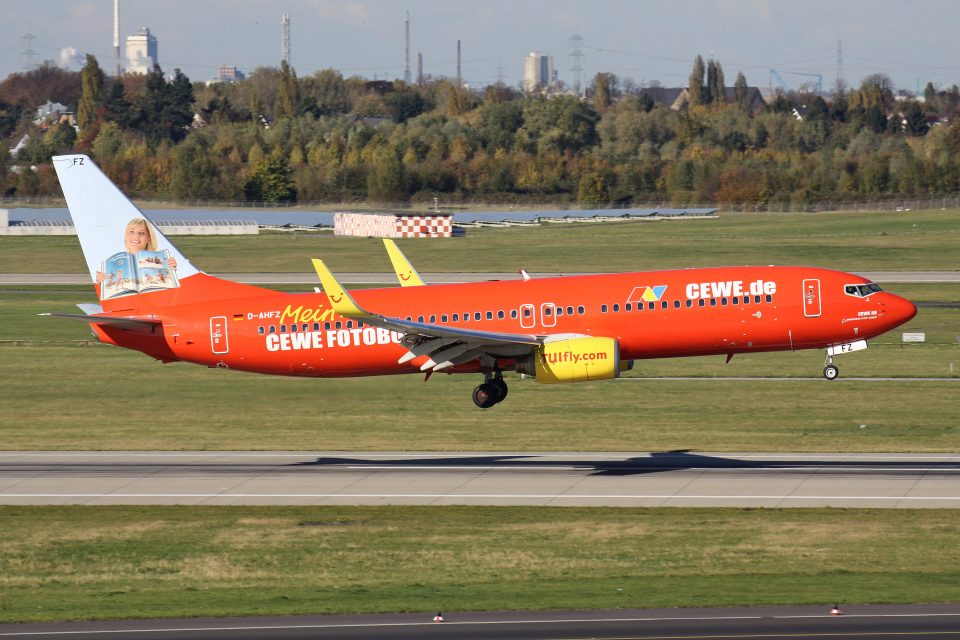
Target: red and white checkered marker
[(438, 617)]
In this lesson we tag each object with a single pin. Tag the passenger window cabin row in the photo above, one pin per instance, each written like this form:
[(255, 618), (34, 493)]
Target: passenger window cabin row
[(676, 304), (527, 311)]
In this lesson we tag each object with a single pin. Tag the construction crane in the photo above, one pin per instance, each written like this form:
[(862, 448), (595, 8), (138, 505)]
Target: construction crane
[(817, 86), (776, 76)]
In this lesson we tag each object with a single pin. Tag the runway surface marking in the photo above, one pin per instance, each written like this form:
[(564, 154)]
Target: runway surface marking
[(450, 623)]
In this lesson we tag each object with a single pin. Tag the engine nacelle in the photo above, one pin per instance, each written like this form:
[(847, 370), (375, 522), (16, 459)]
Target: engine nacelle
[(573, 360)]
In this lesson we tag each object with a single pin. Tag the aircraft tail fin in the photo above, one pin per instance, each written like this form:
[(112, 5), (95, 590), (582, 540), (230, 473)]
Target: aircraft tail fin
[(125, 252)]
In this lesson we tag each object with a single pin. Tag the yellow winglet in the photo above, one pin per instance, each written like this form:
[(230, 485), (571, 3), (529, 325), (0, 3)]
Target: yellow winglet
[(340, 301), (406, 274)]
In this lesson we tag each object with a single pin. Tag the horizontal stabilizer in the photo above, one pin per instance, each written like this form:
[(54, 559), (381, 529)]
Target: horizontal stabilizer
[(113, 321)]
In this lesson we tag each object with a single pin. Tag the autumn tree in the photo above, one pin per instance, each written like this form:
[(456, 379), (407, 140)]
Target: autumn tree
[(271, 181), (742, 93), (695, 88), (604, 85), (91, 94), (166, 108), (386, 181), (288, 93), (716, 92)]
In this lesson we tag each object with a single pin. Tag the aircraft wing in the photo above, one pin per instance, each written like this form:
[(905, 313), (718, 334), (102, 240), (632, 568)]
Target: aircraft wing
[(445, 346)]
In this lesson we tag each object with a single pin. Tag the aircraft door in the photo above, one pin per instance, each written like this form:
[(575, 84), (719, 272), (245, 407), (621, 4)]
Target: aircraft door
[(548, 314), (218, 335), (528, 316), (811, 298)]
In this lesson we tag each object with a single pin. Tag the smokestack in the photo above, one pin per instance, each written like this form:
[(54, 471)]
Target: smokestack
[(116, 36), (459, 78), (406, 70), (285, 37), (419, 69)]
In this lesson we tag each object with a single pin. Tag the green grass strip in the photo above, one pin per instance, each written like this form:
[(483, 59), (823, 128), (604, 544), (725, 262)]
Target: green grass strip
[(72, 563)]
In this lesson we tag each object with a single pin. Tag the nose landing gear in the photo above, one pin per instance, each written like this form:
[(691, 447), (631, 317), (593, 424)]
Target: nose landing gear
[(492, 391), (830, 371)]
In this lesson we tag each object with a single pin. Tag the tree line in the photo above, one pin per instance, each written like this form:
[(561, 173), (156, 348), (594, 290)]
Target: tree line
[(277, 137)]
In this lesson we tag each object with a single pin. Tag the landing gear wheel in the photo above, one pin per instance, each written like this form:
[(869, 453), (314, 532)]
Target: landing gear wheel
[(501, 388), (830, 372), (486, 395)]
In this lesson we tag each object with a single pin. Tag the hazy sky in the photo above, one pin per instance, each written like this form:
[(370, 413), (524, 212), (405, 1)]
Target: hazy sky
[(640, 39)]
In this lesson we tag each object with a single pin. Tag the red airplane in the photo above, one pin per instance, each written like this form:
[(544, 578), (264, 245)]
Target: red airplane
[(563, 329)]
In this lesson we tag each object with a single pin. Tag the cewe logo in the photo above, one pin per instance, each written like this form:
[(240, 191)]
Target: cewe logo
[(647, 294)]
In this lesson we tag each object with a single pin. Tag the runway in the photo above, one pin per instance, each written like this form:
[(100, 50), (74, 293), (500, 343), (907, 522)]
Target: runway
[(668, 479), (891, 621), (390, 279)]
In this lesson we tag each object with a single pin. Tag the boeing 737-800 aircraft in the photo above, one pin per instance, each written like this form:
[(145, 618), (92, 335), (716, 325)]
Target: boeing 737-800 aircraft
[(566, 329)]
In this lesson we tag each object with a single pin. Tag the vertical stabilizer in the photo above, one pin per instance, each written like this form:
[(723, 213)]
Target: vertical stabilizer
[(125, 252), (102, 214)]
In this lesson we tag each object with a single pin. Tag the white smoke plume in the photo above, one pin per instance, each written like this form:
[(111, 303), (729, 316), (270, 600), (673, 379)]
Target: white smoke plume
[(71, 59)]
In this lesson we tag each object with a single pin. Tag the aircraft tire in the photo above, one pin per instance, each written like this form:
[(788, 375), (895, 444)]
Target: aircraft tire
[(502, 388), (485, 395), (830, 372)]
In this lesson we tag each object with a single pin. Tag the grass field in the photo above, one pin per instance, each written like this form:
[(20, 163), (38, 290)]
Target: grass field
[(61, 563), (848, 241), (102, 398)]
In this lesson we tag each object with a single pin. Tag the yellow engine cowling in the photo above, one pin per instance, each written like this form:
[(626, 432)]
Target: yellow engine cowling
[(574, 360)]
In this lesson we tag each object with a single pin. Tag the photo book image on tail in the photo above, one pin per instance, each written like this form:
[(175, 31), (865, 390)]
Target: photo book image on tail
[(126, 273)]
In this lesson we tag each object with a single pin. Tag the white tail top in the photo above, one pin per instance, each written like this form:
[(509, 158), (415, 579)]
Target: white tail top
[(107, 222)]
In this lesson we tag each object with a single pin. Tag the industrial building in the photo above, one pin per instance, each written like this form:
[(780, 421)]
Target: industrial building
[(538, 71), (142, 52)]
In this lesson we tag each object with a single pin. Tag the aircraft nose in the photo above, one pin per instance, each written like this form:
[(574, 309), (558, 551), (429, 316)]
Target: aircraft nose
[(900, 310)]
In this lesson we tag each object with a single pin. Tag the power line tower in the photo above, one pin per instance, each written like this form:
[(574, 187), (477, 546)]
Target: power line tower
[(285, 37), (29, 57), (406, 69), (499, 72), (576, 63)]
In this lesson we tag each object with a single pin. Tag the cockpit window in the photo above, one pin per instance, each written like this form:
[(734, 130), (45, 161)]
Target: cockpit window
[(861, 290)]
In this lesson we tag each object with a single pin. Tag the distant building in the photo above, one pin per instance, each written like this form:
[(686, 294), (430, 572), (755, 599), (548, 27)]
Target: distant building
[(142, 52), (49, 112), (52, 113), (393, 225), (229, 73), (678, 98), (538, 71)]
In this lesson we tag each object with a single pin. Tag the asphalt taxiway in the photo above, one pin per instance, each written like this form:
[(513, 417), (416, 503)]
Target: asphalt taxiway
[(892, 621), (666, 479)]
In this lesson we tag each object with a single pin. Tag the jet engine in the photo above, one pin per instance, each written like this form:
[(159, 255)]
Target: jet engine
[(579, 359)]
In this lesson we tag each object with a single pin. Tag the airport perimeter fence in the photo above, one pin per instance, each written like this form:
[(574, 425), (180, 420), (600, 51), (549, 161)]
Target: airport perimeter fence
[(900, 204)]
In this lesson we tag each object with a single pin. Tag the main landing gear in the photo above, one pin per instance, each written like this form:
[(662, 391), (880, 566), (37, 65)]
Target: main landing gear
[(831, 372), (492, 391)]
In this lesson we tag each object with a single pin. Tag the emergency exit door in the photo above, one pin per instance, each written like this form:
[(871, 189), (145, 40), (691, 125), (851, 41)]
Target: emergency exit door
[(218, 334), (811, 298)]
